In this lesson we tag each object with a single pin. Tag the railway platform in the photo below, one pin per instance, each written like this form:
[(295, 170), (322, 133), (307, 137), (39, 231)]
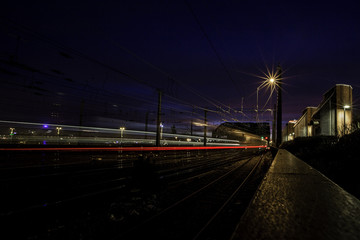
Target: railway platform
[(295, 201)]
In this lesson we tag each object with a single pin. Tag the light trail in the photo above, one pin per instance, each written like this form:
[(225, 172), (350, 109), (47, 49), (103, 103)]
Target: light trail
[(112, 130), (128, 149)]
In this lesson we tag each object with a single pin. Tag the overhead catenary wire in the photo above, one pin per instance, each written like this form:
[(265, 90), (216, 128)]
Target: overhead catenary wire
[(202, 29), (210, 100), (73, 51)]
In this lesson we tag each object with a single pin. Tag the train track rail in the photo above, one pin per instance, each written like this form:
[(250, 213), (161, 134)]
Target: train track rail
[(93, 195), (193, 216)]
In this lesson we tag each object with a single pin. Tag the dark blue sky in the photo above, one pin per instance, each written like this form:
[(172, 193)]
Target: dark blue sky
[(204, 53)]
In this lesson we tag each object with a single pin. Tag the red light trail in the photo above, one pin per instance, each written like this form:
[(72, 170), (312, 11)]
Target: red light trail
[(133, 149)]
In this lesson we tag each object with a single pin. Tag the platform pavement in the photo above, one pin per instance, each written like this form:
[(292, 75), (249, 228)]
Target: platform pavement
[(295, 201)]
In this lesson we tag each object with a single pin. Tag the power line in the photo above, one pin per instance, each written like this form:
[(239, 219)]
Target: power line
[(71, 50), (208, 99), (211, 45)]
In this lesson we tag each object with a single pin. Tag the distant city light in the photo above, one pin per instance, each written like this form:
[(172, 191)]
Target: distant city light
[(346, 107), (45, 126)]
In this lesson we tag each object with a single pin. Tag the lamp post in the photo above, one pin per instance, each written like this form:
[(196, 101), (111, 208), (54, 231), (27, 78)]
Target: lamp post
[(121, 134), (270, 81), (58, 130), (257, 103), (11, 134), (345, 107), (122, 131), (58, 133), (279, 107), (158, 120), (161, 130)]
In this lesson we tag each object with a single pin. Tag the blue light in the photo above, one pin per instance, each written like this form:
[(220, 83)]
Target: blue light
[(45, 126)]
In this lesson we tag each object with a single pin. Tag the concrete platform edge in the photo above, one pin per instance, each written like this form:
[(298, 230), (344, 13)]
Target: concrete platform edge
[(295, 201)]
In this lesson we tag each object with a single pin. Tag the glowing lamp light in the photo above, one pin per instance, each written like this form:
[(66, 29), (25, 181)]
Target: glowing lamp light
[(122, 131), (45, 126), (346, 107), (272, 80)]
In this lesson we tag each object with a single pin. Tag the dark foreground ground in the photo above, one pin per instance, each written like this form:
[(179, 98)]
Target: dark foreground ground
[(336, 158), (103, 195)]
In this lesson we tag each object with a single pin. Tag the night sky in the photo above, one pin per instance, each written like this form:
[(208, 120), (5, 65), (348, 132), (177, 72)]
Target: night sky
[(102, 63)]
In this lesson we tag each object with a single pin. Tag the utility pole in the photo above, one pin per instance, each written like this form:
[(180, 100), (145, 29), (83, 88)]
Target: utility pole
[(146, 123), (81, 118), (81, 112), (205, 129), (274, 126), (158, 120), (279, 108), (191, 124), (242, 104), (242, 108)]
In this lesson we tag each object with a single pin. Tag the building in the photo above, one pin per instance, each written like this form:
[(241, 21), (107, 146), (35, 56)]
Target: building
[(288, 133), (333, 117), (303, 128), (245, 132)]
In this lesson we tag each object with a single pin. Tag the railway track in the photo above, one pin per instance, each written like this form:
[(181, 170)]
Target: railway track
[(215, 203), (103, 200)]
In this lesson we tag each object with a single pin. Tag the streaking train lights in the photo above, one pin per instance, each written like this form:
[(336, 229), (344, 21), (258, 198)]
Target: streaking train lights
[(129, 149)]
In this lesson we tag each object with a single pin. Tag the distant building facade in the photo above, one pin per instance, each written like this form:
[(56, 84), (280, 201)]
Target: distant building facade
[(303, 128), (288, 133), (333, 117), (245, 132)]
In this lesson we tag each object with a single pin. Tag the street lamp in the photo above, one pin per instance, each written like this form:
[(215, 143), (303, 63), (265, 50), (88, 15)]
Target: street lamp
[(122, 131), (11, 134), (273, 80), (58, 133), (121, 134), (279, 107), (345, 107), (268, 82), (161, 130), (58, 130)]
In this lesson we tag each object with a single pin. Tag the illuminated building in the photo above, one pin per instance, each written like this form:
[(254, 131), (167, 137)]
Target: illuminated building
[(303, 128), (288, 133), (244, 132), (333, 117)]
